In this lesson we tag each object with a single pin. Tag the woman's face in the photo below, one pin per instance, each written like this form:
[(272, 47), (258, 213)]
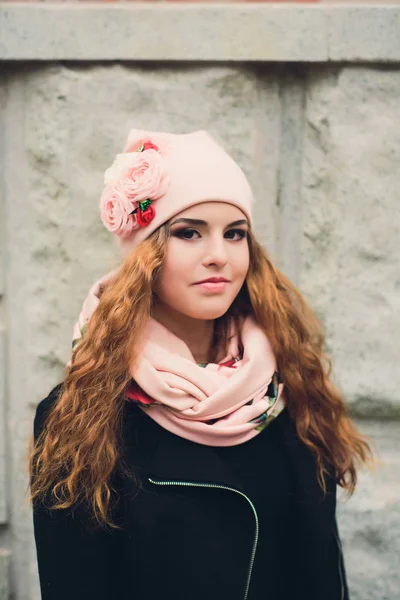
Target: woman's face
[(215, 247)]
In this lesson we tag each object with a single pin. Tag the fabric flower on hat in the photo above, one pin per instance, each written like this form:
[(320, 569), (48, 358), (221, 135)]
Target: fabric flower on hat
[(137, 178), (143, 176), (157, 141), (114, 211)]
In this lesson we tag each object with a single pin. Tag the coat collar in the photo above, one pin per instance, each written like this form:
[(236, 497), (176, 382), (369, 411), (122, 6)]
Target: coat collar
[(168, 457), (179, 459), (164, 456)]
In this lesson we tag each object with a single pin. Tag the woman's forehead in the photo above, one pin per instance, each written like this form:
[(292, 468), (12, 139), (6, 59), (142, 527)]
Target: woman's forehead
[(211, 212)]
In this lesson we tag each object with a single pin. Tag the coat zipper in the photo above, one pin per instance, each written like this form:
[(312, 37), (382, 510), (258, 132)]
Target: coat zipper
[(223, 487), (339, 546)]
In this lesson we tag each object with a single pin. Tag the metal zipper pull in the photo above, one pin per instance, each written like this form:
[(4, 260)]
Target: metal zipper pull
[(223, 487)]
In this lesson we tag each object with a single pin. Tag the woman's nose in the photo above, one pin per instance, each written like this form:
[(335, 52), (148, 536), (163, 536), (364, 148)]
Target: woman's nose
[(217, 251)]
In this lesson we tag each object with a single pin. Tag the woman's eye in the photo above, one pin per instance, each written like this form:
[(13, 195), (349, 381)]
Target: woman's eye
[(238, 231), (184, 232)]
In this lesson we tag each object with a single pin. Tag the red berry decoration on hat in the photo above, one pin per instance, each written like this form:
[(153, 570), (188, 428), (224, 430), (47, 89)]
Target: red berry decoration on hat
[(145, 213), (147, 146)]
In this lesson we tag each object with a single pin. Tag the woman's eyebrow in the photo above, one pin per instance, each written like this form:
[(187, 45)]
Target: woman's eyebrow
[(201, 222)]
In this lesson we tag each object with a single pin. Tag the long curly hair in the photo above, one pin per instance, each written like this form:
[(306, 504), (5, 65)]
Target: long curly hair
[(79, 446)]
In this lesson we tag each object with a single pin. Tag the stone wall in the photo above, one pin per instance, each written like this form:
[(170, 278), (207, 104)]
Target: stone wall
[(314, 122)]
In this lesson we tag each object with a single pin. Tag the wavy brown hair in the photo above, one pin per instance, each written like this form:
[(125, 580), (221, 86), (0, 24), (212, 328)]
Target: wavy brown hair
[(78, 448)]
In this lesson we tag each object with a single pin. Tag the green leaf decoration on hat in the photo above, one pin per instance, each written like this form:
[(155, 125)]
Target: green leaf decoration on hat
[(145, 204)]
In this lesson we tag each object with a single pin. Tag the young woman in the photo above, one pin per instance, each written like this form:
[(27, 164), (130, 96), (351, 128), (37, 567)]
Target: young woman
[(194, 447)]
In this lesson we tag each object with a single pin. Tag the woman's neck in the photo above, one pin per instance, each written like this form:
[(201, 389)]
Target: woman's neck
[(196, 333)]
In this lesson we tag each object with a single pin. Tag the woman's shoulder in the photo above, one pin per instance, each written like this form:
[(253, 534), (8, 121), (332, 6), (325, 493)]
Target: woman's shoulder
[(45, 405), (51, 398)]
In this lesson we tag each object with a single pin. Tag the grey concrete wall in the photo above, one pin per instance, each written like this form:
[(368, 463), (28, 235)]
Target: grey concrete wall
[(351, 227), (214, 32), (321, 145)]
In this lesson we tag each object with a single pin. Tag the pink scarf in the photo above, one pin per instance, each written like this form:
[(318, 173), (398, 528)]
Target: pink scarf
[(222, 404)]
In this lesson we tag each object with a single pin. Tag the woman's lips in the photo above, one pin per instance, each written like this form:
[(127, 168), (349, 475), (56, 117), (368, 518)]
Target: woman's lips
[(212, 286)]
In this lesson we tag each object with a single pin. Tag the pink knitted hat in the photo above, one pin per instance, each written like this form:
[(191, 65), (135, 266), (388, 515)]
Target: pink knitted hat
[(161, 174)]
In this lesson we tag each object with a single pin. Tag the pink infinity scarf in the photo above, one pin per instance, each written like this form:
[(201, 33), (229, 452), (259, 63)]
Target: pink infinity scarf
[(222, 404)]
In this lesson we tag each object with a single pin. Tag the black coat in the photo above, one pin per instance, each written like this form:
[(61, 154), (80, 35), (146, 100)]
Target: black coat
[(190, 533)]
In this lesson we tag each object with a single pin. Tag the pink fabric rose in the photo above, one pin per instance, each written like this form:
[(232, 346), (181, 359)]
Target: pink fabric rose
[(143, 176), (114, 211)]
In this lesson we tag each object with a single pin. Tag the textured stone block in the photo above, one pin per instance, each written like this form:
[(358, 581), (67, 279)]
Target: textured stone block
[(5, 558), (3, 458), (164, 32), (3, 483), (351, 228), (370, 521), (365, 33), (200, 31)]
